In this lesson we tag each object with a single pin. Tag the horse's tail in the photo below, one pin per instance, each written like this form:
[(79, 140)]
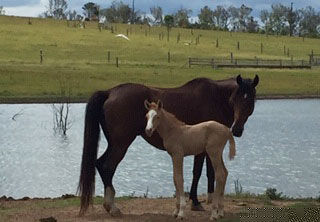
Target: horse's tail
[(232, 147), (90, 148)]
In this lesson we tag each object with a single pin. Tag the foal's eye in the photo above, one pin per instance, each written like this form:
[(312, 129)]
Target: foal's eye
[(157, 117)]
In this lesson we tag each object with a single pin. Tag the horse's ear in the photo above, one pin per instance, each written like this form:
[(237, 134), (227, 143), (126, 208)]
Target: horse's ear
[(159, 104), (239, 79), (147, 104), (255, 81)]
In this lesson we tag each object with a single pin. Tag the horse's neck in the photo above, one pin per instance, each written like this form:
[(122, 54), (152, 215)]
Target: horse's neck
[(168, 124), (223, 91)]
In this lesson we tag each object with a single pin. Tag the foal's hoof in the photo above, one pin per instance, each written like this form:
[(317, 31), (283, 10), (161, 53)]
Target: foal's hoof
[(197, 207)]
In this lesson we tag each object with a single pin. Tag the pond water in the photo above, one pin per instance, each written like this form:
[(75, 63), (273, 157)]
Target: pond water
[(280, 148)]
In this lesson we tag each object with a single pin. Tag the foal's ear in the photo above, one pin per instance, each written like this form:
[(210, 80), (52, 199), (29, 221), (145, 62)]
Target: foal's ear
[(255, 81), (147, 104), (239, 79), (159, 104)]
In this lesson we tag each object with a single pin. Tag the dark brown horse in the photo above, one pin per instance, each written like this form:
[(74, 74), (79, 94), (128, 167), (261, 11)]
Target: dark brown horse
[(121, 114)]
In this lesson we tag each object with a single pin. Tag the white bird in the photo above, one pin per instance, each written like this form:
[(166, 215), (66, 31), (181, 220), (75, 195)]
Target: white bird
[(122, 36)]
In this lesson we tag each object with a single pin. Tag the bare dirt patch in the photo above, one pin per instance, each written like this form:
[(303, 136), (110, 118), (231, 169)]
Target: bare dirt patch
[(133, 210)]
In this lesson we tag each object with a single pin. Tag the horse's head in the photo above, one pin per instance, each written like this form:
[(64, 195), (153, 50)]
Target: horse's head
[(242, 100), (153, 116)]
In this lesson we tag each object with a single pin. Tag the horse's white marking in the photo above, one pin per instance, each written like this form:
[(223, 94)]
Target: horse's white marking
[(150, 115), (245, 95), (182, 206)]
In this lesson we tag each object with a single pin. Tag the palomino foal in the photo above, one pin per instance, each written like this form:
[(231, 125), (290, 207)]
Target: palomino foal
[(182, 140)]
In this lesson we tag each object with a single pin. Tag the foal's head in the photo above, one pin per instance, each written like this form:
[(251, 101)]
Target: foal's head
[(153, 116), (242, 100)]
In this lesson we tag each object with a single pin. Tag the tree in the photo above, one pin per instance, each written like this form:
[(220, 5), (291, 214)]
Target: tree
[(56, 9), (91, 10), (169, 20), (278, 18), (72, 15), (292, 18), (2, 11), (244, 12), (221, 17), (234, 18), (206, 17), (309, 20), (156, 12), (118, 12), (252, 25), (265, 17), (181, 18)]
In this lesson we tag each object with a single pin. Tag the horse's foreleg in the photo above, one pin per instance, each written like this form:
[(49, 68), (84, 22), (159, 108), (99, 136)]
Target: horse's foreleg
[(211, 178), (177, 161), (197, 170)]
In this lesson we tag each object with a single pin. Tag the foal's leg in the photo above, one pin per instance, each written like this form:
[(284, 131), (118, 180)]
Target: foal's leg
[(217, 202), (197, 170), (177, 162), (107, 165), (211, 177)]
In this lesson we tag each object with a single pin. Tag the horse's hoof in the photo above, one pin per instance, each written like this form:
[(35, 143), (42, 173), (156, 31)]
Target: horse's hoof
[(197, 207), (213, 219), (179, 218), (115, 212), (107, 207)]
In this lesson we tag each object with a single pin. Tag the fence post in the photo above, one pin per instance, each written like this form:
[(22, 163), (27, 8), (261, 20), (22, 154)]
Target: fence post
[(291, 60), (238, 45), (212, 62), (257, 61), (168, 57), (108, 56), (117, 62), (127, 32), (41, 56), (261, 48), (189, 62), (288, 52), (231, 57), (217, 43)]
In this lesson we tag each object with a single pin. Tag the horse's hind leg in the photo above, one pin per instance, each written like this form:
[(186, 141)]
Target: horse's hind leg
[(197, 170), (106, 166)]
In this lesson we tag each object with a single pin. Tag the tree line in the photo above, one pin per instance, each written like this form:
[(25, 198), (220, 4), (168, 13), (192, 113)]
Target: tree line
[(278, 20)]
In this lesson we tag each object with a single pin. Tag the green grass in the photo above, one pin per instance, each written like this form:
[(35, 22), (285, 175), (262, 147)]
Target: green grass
[(75, 60)]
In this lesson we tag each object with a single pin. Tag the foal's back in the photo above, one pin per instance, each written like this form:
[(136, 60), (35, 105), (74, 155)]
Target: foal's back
[(197, 138)]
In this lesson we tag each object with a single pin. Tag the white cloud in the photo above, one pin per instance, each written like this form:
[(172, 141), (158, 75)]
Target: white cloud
[(28, 10)]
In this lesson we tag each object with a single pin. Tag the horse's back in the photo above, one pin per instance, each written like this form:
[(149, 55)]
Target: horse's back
[(124, 108)]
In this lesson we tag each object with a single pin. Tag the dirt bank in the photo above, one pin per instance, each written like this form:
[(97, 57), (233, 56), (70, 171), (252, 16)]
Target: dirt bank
[(134, 209)]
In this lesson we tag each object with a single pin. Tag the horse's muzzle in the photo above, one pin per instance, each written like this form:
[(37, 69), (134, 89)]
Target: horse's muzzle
[(237, 131), (149, 132)]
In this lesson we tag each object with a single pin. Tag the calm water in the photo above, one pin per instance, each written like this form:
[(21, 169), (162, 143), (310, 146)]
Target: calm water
[(280, 148)]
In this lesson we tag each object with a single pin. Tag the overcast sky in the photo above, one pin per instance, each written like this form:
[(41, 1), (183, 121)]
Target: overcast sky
[(35, 7)]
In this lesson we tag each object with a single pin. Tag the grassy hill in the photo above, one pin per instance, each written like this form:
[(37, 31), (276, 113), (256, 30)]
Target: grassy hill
[(75, 59)]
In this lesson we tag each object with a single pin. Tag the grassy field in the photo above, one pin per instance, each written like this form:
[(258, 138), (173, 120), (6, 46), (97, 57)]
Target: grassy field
[(75, 60)]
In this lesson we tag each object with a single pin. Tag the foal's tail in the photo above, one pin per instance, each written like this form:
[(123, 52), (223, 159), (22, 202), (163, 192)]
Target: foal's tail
[(90, 148), (232, 147)]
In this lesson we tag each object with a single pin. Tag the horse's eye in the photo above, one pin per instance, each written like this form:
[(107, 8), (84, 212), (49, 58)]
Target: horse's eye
[(157, 117)]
